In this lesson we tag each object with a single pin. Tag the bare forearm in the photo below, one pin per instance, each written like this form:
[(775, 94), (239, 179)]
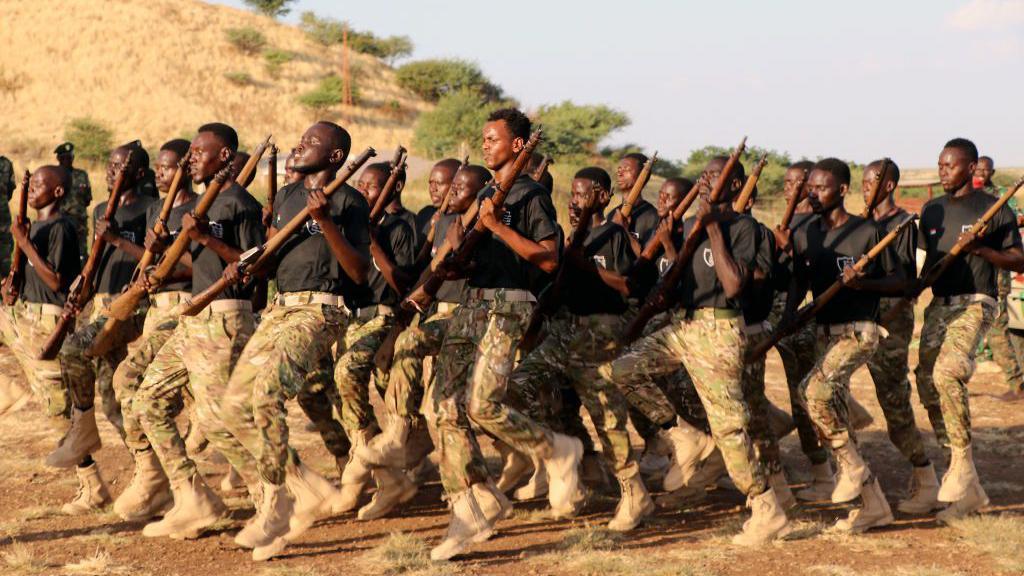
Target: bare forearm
[(1011, 259), (541, 254), (227, 253), (352, 262), (130, 248), (46, 273), (729, 273), (388, 269)]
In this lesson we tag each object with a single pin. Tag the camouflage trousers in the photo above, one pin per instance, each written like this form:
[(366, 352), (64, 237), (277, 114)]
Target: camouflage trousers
[(159, 324), (405, 387), (201, 353), (275, 365), (766, 444), (574, 348), (949, 342), (889, 371), (826, 389), (25, 327), (356, 368), (797, 354), (317, 398), (470, 379), (1007, 345), (711, 350), (84, 375)]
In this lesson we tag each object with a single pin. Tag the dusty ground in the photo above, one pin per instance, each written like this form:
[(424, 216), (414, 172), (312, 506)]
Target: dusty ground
[(36, 539)]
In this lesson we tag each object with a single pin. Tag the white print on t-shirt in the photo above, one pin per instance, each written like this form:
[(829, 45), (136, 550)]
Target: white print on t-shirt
[(217, 229), (506, 218), (843, 261), (966, 228), (600, 261), (374, 260), (663, 265), (313, 228), (635, 235), (709, 258), (128, 235)]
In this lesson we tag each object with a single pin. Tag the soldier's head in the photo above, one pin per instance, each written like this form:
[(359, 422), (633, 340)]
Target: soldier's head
[(47, 186), (890, 180), (794, 181), (213, 148), (504, 136), (671, 193), (957, 161), (628, 170), (827, 185), (167, 161), (440, 180), (709, 178), (134, 170), (372, 179), (467, 184), (65, 154), (238, 162), (984, 170), (290, 175), (324, 146), (590, 184)]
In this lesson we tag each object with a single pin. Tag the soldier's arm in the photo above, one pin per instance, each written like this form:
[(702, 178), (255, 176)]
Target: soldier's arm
[(47, 273), (542, 254), (352, 262), (125, 245), (1009, 259), (732, 275)]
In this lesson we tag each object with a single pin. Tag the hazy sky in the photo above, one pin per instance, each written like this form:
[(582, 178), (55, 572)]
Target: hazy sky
[(816, 78)]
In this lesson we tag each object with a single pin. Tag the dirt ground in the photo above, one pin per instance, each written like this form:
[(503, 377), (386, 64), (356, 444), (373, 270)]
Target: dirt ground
[(36, 539)]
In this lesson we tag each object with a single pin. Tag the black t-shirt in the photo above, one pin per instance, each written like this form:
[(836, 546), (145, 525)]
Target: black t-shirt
[(423, 223), (943, 219), (822, 254), (528, 211), (757, 300), (235, 219), (643, 220), (700, 286), (305, 261), (903, 250), (396, 239), (410, 218), (782, 273), (117, 266), (583, 292), (173, 225), (451, 290), (57, 242)]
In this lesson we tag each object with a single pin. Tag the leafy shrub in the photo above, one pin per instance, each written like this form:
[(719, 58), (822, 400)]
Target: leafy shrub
[(246, 40), (330, 92), (574, 130), (275, 59), (457, 118), (239, 78), (272, 8), (92, 140), (330, 32), (432, 79)]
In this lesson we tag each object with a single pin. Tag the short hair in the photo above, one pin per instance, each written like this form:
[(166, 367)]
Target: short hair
[(640, 158), (964, 145), (892, 170), (341, 136), (517, 122), (805, 165), (140, 158), (179, 146), (836, 168), (684, 184), (449, 163), (737, 169), (597, 175), (382, 168), (479, 172), (988, 159), (225, 133), (547, 181)]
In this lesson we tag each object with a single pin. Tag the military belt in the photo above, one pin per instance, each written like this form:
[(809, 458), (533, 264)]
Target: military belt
[(369, 312), (224, 306), (301, 298), (168, 299), (716, 313), (506, 294), (844, 328), (964, 299), (42, 309)]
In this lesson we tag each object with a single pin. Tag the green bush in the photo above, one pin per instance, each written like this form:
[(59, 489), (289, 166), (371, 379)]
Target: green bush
[(574, 130), (432, 79), (272, 8), (92, 140), (330, 92), (330, 32), (239, 78), (772, 176), (275, 59), (458, 117), (664, 167), (246, 40)]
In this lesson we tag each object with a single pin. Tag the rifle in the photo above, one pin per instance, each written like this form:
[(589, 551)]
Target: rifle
[(787, 216), (662, 291), (537, 173), (653, 247), (428, 245), (272, 176), (638, 186), (808, 311), (248, 172), (12, 286), (253, 261), (81, 289), (875, 193), (459, 259), (740, 204)]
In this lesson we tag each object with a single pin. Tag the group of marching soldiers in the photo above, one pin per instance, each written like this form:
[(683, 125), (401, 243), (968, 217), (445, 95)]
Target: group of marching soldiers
[(480, 315)]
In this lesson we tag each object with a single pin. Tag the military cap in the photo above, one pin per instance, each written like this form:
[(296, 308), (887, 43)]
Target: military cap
[(65, 148)]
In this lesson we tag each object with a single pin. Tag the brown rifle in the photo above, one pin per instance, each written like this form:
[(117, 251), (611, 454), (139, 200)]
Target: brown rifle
[(14, 277), (541, 168), (81, 289), (248, 172), (254, 260), (808, 311), (638, 186), (875, 193), (460, 257), (787, 216), (661, 293), (653, 247), (740, 204), (272, 175)]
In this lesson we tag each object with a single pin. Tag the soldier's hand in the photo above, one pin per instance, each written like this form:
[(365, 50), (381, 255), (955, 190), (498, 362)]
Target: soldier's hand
[(156, 243), (489, 214), (9, 291), (624, 221), (969, 240), (233, 273), (316, 202), (267, 216), (197, 229), (851, 276), (106, 230), (20, 231), (783, 237), (455, 232)]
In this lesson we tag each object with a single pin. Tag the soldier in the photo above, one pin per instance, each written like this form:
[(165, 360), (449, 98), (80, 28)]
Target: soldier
[(50, 246), (7, 187), (959, 314), (83, 375), (478, 352), (203, 349), (706, 338), (316, 271), (396, 208), (438, 184), (824, 250), (644, 218), (79, 196)]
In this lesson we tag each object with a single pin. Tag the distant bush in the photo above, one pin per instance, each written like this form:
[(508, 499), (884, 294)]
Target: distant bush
[(272, 8), (458, 117), (246, 40), (575, 130), (92, 140), (774, 173), (239, 78), (330, 32), (275, 59), (432, 79), (330, 92)]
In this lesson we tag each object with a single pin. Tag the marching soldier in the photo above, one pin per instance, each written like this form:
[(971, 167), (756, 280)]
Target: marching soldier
[(79, 195)]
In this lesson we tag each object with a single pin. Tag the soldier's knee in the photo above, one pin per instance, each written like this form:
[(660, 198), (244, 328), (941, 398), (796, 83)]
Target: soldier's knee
[(953, 369)]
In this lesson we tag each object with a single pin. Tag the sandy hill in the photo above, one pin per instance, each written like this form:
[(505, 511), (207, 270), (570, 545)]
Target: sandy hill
[(155, 69)]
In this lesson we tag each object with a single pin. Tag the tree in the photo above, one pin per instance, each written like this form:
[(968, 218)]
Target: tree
[(272, 8), (92, 140), (432, 79), (328, 93), (458, 117), (246, 40), (330, 32), (575, 130)]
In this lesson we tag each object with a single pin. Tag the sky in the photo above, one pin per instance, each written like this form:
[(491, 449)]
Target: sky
[(856, 80)]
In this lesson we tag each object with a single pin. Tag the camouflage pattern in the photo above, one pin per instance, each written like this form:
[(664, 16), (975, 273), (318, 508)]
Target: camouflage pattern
[(949, 341), (356, 368), (711, 350), (826, 390), (7, 188), (76, 206), (889, 370), (797, 354), (405, 387), (85, 376), (200, 354), (1007, 345), (287, 346), (25, 328), (317, 398), (766, 444)]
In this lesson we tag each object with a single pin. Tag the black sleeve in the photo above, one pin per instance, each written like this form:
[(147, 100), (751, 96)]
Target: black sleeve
[(354, 224), (1005, 234), (624, 255), (765, 250), (540, 221), (886, 263), (744, 244), (402, 244)]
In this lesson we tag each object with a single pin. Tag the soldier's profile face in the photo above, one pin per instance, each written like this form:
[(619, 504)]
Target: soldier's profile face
[(41, 188), (165, 168), (115, 164), (669, 197), (313, 152), (464, 190), (207, 157), (498, 144), (370, 184), (955, 168), (794, 182), (823, 190), (626, 173), (439, 183)]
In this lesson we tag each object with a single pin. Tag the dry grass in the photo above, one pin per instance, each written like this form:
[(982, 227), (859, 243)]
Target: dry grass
[(402, 554), (19, 559), (1001, 537), (837, 570), (38, 512), (101, 563)]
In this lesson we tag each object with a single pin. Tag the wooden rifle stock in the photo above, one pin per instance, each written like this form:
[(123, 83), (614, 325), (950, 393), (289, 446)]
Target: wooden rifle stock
[(82, 288), (740, 204), (248, 172), (17, 271), (638, 187), (428, 245), (661, 292), (787, 216), (875, 193), (272, 175), (807, 312), (384, 198), (541, 168)]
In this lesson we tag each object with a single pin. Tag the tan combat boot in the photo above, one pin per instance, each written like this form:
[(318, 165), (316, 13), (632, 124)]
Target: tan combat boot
[(853, 473), (689, 447), (537, 486), (973, 501), (149, 492), (468, 524), (388, 447), (924, 492), (515, 466), (196, 508), (711, 471), (92, 493), (276, 511), (777, 482), (354, 477), (875, 512), (393, 488), (822, 484), (231, 481), (562, 465), (314, 497), (767, 521), (635, 503), (82, 439), (960, 476)]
